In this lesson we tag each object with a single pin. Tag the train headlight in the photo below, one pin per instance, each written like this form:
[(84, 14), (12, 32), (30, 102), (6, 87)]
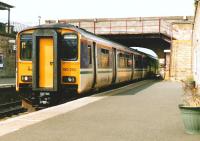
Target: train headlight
[(26, 78), (69, 79)]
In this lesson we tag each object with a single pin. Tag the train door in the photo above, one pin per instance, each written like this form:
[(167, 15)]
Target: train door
[(114, 65), (94, 65), (133, 66), (46, 62), (143, 66)]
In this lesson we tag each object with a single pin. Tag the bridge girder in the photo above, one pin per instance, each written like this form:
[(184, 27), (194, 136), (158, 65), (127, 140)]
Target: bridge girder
[(156, 42)]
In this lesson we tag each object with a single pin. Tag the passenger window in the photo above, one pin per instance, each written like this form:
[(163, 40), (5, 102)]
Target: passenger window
[(129, 61), (89, 54), (145, 64), (26, 47), (123, 60), (104, 58), (70, 47), (138, 61)]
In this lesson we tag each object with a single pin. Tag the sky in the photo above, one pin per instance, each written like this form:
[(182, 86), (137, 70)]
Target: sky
[(27, 11), (146, 50)]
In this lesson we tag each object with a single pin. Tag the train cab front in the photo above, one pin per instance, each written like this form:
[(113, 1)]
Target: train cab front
[(40, 63), (24, 66)]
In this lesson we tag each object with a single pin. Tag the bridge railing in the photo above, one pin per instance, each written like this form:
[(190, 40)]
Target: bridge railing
[(123, 26)]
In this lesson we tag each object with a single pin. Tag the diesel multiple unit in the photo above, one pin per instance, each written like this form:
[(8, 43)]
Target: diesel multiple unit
[(54, 61)]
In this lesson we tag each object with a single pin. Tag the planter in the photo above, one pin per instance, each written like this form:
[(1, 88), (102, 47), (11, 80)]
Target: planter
[(191, 84), (191, 119)]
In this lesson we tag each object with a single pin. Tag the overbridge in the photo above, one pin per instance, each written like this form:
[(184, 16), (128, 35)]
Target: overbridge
[(168, 37)]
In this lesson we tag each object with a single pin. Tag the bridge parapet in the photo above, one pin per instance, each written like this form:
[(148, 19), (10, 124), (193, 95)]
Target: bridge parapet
[(124, 26)]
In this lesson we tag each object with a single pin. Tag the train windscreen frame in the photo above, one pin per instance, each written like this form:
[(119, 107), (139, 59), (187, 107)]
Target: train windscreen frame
[(69, 51), (26, 47)]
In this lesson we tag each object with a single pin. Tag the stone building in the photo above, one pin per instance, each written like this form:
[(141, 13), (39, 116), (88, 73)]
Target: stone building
[(7, 50), (7, 56), (196, 44)]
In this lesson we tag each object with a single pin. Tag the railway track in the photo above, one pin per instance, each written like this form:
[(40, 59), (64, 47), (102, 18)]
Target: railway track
[(11, 108), (10, 103)]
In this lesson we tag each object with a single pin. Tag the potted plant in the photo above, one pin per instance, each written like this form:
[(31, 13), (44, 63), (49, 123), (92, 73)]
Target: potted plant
[(190, 109)]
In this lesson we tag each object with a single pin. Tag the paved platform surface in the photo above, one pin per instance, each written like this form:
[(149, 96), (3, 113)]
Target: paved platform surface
[(146, 113), (7, 80)]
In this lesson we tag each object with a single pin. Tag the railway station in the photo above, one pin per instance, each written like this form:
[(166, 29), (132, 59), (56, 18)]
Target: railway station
[(122, 79)]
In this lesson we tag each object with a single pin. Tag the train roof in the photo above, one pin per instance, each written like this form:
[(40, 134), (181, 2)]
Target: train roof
[(87, 34)]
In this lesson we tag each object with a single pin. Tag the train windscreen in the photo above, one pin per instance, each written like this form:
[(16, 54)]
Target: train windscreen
[(26, 47), (70, 47)]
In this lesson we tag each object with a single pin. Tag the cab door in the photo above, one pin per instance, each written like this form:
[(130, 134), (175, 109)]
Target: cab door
[(46, 62), (46, 69)]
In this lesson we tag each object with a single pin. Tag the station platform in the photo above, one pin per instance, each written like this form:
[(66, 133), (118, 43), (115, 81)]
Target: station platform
[(145, 111), (7, 82)]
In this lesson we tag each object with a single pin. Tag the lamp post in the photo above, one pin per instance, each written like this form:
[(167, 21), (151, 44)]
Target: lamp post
[(39, 18)]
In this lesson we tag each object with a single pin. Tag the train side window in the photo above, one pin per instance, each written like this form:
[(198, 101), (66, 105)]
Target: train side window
[(26, 47), (90, 54), (121, 60), (138, 61), (129, 61), (104, 58), (69, 47), (145, 64)]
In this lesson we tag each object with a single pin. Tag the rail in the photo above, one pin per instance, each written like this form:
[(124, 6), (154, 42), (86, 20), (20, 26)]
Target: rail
[(10, 102), (10, 108)]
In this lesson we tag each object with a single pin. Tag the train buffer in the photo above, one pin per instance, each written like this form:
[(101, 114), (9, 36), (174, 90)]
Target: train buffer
[(143, 111)]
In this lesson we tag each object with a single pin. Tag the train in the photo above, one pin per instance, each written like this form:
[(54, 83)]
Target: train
[(57, 60)]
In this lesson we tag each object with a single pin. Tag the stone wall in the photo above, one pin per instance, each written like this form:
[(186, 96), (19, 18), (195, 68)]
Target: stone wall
[(181, 51), (6, 49)]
